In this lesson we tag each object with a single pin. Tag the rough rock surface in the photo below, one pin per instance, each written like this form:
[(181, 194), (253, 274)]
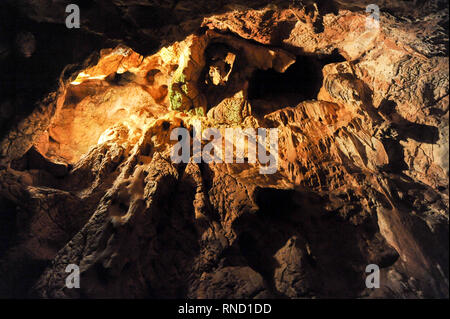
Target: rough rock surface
[(86, 176)]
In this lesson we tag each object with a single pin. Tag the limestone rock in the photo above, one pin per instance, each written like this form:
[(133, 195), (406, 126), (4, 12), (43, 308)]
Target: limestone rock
[(86, 175)]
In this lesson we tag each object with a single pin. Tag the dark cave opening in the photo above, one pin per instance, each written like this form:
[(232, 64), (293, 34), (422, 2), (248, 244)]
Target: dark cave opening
[(301, 81)]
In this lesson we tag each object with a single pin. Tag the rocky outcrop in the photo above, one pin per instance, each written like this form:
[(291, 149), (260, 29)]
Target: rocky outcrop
[(362, 116)]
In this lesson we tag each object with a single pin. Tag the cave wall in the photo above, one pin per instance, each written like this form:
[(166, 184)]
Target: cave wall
[(363, 151)]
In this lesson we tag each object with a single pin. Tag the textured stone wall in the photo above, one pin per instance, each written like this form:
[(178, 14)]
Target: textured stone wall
[(86, 176)]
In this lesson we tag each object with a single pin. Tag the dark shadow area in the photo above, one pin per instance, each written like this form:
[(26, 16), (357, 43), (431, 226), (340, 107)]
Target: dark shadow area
[(404, 129), (27, 78), (8, 227), (395, 154), (331, 252), (419, 132), (18, 273), (18, 270), (35, 160), (300, 82)]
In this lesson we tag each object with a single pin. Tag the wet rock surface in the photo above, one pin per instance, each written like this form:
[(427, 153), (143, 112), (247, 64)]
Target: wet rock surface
[(86, 176)]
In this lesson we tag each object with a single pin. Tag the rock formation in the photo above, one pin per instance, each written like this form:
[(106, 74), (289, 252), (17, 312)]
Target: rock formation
[(86, 176)]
